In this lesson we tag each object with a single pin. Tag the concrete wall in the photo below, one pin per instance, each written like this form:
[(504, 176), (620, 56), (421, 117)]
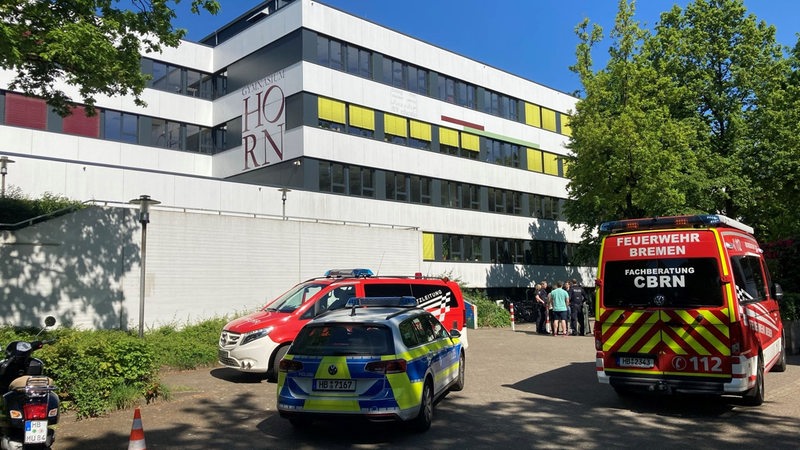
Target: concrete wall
[(84, 267)]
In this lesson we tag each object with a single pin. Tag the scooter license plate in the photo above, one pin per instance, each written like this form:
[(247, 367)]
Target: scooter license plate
[(35, 431)]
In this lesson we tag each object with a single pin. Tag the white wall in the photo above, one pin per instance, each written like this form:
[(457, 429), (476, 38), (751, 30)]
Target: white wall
[(85, 268)]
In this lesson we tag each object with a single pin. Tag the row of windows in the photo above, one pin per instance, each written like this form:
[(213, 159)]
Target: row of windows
[(365, 122), (454, 247), (30, 112), (179, 80), (358, 61), (335, 115), (352, 180)]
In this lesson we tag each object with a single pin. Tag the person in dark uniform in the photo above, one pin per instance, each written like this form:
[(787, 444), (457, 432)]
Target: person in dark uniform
[(541, 306), (577, 299)]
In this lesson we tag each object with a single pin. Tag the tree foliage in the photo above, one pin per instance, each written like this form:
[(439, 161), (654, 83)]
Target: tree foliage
[(93, 45), (725, 58), (691, 117), (629, 158)]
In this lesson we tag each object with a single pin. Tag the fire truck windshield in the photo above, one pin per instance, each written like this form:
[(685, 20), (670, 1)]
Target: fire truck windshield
[(295, 297), (662, 282)]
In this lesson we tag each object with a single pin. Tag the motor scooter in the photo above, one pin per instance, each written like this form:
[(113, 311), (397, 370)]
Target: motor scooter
[(30, 404)]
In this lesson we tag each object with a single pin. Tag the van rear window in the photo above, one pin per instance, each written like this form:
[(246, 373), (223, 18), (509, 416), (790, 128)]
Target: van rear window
[(662, 282), (343, 340)]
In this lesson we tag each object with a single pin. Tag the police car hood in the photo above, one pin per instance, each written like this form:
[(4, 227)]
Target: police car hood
[(256, 321)]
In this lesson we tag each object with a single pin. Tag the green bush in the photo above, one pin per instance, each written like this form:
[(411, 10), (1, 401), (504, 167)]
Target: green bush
[(790, 306), (189, 347), (16, 207), (490, 314), (100, 371), (96, 371)]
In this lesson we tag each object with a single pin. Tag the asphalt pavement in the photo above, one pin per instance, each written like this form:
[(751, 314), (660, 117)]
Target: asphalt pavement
[(523, 390)]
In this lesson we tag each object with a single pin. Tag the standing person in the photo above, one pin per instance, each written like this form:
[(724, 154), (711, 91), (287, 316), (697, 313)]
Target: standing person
[(586, 312), (541, 308), (577, 298), (560, 299)]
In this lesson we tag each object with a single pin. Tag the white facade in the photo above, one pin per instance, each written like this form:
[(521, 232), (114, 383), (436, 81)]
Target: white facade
[(94, 168)]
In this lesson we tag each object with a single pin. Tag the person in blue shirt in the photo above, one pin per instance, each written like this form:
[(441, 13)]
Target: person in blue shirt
[(559, 298)]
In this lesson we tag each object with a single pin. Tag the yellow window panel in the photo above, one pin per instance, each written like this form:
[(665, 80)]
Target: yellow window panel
[(535, 160), (448, 137), (428, 251), (566, 129), (533, 115), (420, 130), (550, 163), (470, 142), (395, 125), (362, 117), (548, 119), (331, 110)]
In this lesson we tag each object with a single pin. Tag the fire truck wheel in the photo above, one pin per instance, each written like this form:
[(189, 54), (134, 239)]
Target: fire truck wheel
[(755, 396), (780, 366)]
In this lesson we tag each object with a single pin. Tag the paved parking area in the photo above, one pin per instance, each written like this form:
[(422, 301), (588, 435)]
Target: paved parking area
[(523, 391)]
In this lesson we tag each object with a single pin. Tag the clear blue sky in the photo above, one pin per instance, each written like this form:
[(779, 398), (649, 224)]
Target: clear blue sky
[(533, 39)]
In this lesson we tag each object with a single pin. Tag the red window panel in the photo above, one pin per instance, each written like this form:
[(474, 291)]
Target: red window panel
[(81, 124), (24, 111)]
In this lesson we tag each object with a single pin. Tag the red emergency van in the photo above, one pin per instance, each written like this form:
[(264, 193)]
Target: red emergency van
[(257, 342), (686, 305)]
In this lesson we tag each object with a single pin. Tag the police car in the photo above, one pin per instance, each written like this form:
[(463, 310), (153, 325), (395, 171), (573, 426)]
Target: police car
[(380, 358)]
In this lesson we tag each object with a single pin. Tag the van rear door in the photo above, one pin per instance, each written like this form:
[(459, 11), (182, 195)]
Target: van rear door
[(663, 312)]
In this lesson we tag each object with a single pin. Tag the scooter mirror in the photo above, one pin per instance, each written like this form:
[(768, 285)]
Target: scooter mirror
[(49, 321)]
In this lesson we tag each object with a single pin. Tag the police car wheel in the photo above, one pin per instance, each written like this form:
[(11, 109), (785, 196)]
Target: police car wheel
[(459, 384), (755, 396), (423, 421)]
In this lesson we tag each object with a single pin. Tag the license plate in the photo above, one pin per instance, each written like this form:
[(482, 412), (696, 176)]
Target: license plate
[(35, 431), (335, 385), (633, 361)]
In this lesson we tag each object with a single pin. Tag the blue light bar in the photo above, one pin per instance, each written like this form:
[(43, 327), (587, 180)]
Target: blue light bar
[(402, 302), (655, 223), (349, 273)]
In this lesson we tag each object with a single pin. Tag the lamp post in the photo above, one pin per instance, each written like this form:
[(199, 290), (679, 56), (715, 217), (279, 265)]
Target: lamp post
[(144, 202), (4, 162), (283, 198)]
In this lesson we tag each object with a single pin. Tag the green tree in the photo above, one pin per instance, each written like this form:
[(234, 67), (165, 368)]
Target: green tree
[(629, 156), (776, 154), (725, 58), (694, 117), (93, 45)]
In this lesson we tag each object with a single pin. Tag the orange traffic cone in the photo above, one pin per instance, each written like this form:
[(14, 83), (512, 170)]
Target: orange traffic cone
[(137, 433)]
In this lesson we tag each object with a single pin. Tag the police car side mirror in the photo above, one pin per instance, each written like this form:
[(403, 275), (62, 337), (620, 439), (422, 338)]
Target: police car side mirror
[(777, 291), (455, 333)]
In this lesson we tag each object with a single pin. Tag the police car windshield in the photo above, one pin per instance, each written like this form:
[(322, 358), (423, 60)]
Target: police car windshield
[(295, 297), (343, 340), (662, 282)]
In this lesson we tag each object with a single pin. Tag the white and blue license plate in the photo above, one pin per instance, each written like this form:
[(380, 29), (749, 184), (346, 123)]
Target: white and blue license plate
[(635, 361), (35, 431), (334, 385)]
